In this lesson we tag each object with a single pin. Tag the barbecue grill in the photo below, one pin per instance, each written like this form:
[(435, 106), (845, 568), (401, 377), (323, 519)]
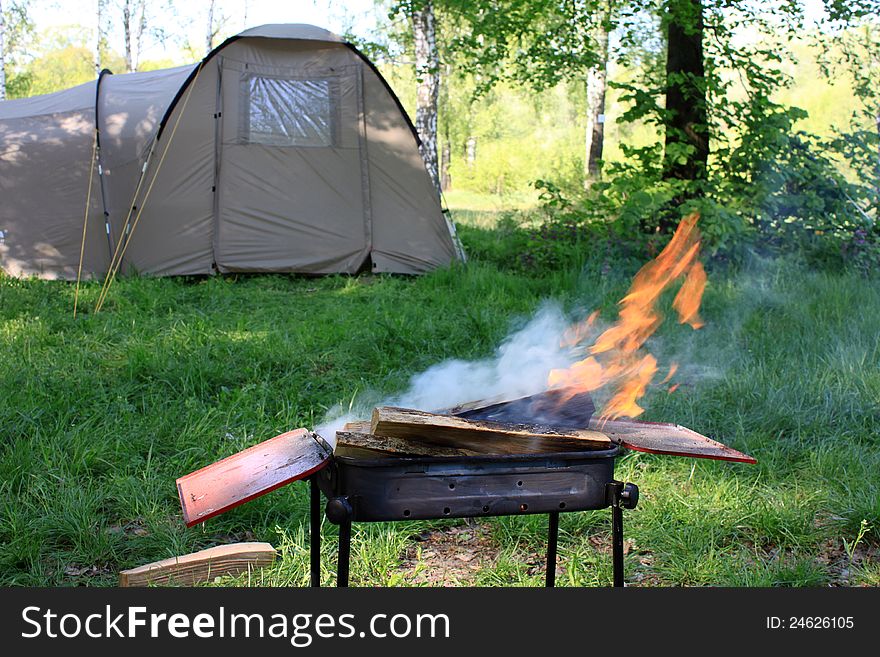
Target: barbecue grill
[(389, 487), (385, 489)]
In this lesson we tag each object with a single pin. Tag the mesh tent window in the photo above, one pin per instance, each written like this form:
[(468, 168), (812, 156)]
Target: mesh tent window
[(289, 112)]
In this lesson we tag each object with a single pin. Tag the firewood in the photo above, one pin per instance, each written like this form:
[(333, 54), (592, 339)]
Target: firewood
[(253, 472), (191, 569), (365, 445), (558, 408), (359, 426), (562, 408), (479, 436)]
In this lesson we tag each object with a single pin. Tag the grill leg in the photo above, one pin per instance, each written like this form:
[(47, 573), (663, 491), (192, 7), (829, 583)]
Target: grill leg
[(344, 553), (315, 532), (552, 540), (617, 542)]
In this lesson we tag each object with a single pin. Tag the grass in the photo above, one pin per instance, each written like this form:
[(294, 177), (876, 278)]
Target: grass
[(476, 202), (100, 415)]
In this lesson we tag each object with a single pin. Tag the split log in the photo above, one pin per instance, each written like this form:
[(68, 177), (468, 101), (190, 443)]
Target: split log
[(480, 437), (203, 566), (359, 426), (365, 445)]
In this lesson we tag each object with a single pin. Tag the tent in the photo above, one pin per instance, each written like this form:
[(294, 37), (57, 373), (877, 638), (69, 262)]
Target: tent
[(284, 150)]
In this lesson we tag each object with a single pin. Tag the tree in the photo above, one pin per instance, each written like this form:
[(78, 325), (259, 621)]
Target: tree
[(129, 13), (686, 151), (139, 28), (65, 60), (209, 37), (421, 13), (853, 48), (594, 133), (15, 30), (101, 37), (446, 152), (2, 53), (215, 24), (536, 44)]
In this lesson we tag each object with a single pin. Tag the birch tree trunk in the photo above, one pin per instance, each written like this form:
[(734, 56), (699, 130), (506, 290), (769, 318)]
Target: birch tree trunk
[(2, 53), (126, 34), (99, 40), (134, 25), (209, 35), (596, 86), (428, 79), (140, 6)]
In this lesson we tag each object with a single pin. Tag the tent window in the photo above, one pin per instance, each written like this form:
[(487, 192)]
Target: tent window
[(285, 112)]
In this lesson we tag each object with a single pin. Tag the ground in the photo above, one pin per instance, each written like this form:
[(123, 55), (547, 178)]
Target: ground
[(100, 414)]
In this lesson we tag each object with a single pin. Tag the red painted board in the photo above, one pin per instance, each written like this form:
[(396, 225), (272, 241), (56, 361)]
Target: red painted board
[(253, 472), (665, 438)]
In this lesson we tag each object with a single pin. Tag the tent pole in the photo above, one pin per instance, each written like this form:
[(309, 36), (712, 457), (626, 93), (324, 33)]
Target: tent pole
[(127, 234), (104, 72)]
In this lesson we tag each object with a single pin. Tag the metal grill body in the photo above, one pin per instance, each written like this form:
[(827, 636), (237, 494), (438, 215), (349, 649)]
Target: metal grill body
[(410, 488)]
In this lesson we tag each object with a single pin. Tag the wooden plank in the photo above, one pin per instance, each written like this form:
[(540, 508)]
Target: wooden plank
[(203, 566), (359, 426), (350, 443), (249, 474), (666, 438), (480, 437)]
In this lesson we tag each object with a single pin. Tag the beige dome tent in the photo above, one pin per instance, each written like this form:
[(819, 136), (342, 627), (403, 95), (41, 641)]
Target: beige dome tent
[(284, 150)]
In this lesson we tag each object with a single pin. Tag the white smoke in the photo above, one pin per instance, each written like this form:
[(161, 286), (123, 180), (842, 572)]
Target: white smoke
[(519, 367)]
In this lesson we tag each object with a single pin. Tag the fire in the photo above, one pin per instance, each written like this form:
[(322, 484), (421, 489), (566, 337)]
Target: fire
[(616, 357)]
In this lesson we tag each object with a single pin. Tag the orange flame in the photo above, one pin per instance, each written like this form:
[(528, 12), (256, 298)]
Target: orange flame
[(616, 356)]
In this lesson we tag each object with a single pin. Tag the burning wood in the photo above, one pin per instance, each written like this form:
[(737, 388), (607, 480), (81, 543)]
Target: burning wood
[(481, 437), (551, 421), (561, 409), (577, 410)]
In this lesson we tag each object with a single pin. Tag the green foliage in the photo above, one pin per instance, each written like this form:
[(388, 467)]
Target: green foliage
[(536, 42), (61, 67), (19, 35), (770, 185), (862, 251)]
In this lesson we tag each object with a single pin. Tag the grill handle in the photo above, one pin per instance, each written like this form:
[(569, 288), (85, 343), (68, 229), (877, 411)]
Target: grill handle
[(629, 496), (339, 510)]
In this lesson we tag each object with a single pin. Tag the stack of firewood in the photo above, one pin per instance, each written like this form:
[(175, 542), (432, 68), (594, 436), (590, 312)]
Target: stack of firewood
[(406, 432), (552, 421)]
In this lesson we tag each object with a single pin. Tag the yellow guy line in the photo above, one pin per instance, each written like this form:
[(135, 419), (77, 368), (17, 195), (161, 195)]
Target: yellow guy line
[(82, 246), (111, 274)]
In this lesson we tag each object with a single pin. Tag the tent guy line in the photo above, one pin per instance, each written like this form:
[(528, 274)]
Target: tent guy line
[(130, 228), (85, 222)]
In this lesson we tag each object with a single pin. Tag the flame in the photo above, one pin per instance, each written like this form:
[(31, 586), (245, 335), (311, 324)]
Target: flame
[(672, 370), (616, 357)]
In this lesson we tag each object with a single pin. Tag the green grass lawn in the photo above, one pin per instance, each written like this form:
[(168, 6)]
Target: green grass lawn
[(100, 415)]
